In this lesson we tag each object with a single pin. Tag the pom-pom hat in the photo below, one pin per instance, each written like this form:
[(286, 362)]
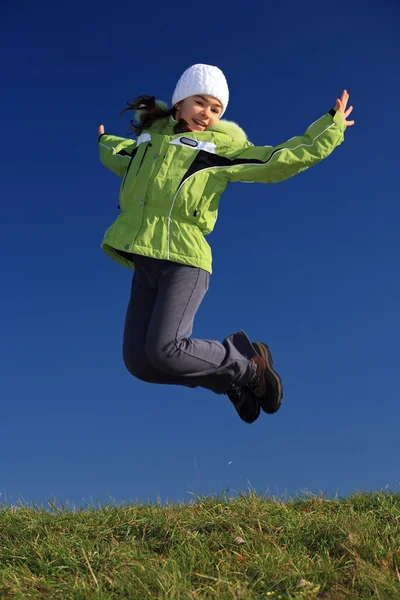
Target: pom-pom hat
[(202, 79)]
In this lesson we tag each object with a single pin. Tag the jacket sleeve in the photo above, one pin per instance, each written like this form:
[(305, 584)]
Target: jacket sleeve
[(115, 153), (267, 164)]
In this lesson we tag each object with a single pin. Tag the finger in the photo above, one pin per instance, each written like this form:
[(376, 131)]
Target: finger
[(101, 129), (348, 111), (344, 99), (338, 104), (348, 123)]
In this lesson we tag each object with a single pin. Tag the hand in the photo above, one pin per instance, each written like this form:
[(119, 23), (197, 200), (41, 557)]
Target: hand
[(101, 129), (341, 107)]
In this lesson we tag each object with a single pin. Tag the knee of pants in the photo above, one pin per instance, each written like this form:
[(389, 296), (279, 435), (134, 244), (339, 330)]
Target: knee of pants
[(163, 357), (138, 365)]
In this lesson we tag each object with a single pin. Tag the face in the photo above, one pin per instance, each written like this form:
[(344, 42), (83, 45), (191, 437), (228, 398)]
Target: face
[(199, 112)]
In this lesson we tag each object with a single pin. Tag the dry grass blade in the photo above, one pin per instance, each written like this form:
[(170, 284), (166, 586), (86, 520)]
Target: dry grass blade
[(90, 568)]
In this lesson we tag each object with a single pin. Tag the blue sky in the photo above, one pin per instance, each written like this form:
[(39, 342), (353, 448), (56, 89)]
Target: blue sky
[(310, 266)]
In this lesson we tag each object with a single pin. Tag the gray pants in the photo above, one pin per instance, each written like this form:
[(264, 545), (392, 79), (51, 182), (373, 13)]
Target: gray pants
[(157, 347)]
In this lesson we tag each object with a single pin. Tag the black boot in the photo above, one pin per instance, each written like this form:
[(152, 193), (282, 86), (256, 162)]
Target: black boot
[(245, 402)]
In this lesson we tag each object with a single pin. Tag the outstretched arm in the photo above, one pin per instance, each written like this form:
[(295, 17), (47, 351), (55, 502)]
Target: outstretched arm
[(272, 164)]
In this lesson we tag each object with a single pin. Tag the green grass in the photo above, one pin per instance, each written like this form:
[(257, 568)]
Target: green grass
[(226, 548)]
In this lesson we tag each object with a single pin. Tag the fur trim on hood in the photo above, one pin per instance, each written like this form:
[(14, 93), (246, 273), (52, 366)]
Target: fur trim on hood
[(229, 128), (236, 133)]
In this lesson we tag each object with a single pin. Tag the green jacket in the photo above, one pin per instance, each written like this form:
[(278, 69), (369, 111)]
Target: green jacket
[(172, 183)]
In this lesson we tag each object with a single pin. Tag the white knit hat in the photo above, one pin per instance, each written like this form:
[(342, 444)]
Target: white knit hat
[(202, 79)]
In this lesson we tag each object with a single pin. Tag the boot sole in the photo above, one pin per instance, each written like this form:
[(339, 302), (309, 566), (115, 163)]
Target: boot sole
[(263, 350)]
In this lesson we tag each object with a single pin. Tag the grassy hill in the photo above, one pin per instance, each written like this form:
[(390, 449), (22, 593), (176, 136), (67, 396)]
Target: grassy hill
[(241, 548)]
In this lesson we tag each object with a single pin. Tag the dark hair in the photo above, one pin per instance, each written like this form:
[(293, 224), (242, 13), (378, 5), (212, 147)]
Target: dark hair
[(152, 112)]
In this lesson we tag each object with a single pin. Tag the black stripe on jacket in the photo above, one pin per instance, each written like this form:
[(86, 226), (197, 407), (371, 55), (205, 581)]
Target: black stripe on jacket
[(206, 160)]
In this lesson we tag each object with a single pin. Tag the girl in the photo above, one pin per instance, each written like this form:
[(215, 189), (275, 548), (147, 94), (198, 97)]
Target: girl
[(172, 178)]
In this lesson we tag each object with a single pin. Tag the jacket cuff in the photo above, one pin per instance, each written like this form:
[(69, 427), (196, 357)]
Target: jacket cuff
[(100, 136), (338, 119)]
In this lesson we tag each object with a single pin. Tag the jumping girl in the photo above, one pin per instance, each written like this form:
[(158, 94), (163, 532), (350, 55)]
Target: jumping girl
[(172, 178)]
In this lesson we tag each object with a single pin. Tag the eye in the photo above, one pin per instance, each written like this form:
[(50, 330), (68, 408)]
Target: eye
[(216, 111), (199, 102)]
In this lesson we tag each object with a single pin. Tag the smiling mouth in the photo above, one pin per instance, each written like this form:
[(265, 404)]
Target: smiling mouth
[(199, 123)]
